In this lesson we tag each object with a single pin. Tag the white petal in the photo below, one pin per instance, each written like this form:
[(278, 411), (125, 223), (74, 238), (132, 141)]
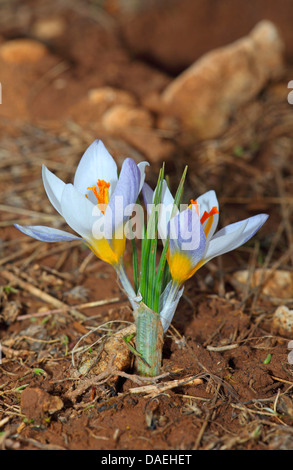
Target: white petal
[(206, 202), (168, 304), (95, 164), (234, 235), (167, 198), (54, 187), (166, 210), (215, 220), (141, 167), (46, 234), (224, 241), (79, 212), (254, 224)]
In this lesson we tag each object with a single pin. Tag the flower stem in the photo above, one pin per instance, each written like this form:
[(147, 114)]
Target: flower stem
[(126, 285)]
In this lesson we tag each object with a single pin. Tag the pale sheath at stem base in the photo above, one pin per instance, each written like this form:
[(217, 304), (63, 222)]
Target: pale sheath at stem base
[(149, 341)]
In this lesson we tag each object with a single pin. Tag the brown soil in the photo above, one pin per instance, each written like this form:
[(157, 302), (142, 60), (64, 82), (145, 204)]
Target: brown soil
[(222, 332)]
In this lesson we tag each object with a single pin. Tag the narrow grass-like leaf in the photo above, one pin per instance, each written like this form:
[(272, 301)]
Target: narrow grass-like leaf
[(152, 235), (163, 273), (142, 264), (160, 277), (152, 265), (179, 192), (149, 246)]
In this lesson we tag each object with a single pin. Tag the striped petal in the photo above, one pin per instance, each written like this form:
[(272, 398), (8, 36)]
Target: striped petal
[(234, 235), (148, 196), (124, 196), (187, 243), (186, 233), (46, 234)]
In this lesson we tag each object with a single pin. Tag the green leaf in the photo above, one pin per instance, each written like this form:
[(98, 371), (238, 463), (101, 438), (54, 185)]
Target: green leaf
[(10, 290), (154, 279), (38, 371), (159, 282), (267, 359), (238, 151), (149, 247), (180, 189), (163, 272), (21, 388)]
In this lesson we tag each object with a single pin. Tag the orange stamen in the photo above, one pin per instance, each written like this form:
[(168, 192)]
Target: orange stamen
[(194, 203), (94, 190), (207, 215), (102, 195)]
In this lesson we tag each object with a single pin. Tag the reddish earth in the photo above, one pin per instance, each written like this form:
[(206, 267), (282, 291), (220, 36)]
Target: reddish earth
[(221, 333)]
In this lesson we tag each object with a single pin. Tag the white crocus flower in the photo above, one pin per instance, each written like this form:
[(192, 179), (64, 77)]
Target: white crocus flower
[(94, 205), (195, 242)]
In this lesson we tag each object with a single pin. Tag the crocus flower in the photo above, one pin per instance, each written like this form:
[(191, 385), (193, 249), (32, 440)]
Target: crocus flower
[(192, 239), (89, 205), (191, 232)]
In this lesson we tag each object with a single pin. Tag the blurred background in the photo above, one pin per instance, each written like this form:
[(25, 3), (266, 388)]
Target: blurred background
[(197, 82)]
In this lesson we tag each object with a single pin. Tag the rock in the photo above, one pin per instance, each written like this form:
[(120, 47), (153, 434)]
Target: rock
[(148, 142), (124, 117), (168, 125), (285, 406), (282, 323), (114, 348), (153, 102), (203, 25), (111, 96), (37, 404), (113, 354), (10, 311), (93, 106), (48, 28), (206, 95), (20, 51), (135, 125), (277, 285)]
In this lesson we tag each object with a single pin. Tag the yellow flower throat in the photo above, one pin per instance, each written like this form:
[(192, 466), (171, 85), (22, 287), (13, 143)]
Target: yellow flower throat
[(180, 263)]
